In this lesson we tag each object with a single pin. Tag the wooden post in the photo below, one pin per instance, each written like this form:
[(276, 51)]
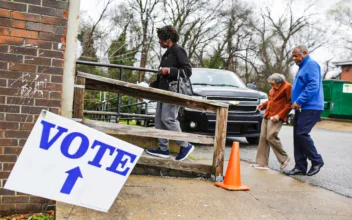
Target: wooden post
[(220, 141), (78, 102)]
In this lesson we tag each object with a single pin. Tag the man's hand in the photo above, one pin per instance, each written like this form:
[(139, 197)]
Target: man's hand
[(164, 71), (295, 106), (275, 118), (259, 107)]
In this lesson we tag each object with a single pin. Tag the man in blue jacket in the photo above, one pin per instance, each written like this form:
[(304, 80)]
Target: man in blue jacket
[(308, 101)]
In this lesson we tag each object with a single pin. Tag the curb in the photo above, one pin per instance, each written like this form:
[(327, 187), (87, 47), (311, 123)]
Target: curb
[(336, 120)]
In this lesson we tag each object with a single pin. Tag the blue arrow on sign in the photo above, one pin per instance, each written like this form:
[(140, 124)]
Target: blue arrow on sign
[(70, 182)]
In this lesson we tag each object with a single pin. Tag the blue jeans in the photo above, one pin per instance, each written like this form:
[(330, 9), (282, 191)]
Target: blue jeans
[(303, 144)]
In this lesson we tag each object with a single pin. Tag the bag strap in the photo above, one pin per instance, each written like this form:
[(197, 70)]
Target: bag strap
[(184, 74), (178, 81)]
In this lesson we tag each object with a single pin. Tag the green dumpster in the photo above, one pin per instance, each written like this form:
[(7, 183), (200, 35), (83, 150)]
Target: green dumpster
[(337, 99)]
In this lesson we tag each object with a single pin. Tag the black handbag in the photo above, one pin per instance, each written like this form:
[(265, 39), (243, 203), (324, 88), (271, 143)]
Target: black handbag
[(182, 85)]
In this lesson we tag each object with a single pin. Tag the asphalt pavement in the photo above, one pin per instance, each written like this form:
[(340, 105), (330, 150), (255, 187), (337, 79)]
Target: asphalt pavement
[(334, 146)]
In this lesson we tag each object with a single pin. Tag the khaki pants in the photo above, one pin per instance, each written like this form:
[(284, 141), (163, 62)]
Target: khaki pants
[(268, 137)]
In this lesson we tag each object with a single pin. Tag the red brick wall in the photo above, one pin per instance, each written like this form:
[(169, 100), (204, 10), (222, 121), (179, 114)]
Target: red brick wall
[(32, 36), (346, 74)]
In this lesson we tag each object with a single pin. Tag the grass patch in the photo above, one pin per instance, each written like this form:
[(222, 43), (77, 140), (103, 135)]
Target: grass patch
[(191, 157), (132, 122)]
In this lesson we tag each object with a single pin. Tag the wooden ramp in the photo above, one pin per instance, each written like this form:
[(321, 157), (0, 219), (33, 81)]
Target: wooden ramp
[(170, 167), (152, 164), (167, 166), (120, 129)]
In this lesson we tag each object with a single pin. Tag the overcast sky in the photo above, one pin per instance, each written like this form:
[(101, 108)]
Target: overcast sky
[(92, 9)]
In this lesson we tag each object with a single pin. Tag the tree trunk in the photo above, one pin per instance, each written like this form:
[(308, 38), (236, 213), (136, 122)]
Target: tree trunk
[(145, 48)]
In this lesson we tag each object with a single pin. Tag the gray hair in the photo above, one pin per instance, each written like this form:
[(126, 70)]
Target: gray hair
[(277, 78), (302, 48)]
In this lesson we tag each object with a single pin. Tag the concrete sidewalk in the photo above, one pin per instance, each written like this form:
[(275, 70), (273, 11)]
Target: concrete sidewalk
[(331, 124), (272, 196)]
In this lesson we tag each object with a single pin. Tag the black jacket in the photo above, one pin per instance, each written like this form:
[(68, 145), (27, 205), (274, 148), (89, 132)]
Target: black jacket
[(175, 58)]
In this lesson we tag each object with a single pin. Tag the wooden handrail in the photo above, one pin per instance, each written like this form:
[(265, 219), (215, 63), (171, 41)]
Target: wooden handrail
[(94, 82)]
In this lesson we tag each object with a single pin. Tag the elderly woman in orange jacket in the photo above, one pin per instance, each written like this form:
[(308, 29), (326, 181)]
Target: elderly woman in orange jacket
[(276, 110)]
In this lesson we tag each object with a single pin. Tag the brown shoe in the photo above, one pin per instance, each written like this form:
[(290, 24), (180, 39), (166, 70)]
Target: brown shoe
[(285, 163)]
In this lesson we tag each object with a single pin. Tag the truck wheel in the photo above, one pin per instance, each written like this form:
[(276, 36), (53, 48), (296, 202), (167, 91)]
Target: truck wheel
[(253, 140), (182, 121)]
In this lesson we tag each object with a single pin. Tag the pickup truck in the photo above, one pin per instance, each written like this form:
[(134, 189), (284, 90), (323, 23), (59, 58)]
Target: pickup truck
[(224, 86)]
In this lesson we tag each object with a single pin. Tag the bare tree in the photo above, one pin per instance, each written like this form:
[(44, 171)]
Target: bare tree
[(236, 22), (125, 21), (276, 36), (196, 21), (249, 70), (123, 49), (327, 67), (342, 13), (146, 11), (286, 27), (128, 33), (90, 34)]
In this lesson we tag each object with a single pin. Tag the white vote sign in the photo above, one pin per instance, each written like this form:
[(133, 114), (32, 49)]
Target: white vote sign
[(69, 162)]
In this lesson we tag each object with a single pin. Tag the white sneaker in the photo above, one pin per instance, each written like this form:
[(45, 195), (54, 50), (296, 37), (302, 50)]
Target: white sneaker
[(260, 167)]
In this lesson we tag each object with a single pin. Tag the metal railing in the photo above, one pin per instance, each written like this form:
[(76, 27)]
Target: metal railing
[(129, 116)]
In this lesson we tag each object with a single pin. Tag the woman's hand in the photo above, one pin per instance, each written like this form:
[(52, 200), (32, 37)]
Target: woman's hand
[(164, 71), (275, 118)]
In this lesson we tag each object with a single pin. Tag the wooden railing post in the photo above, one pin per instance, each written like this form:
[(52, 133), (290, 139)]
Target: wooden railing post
[(78, 101), (220, 141)]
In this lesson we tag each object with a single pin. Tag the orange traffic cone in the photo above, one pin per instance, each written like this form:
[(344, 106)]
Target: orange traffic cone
[(232, 179)]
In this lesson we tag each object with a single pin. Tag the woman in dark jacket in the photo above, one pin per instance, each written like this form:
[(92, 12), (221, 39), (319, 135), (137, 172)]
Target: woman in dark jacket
[(174, 59)]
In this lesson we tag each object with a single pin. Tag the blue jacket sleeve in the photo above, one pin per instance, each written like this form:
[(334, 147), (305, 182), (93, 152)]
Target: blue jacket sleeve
[(312, 80)]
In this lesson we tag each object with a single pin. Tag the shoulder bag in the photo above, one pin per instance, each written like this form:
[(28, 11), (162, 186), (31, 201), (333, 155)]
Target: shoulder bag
[(182, 85)]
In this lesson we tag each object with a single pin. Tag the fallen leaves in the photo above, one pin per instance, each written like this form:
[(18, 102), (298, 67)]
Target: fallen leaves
[(49, 215)]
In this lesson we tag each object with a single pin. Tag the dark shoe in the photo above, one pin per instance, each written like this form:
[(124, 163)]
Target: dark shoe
[(315, 169), (184, 152), (159, 153), (295, 171)]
